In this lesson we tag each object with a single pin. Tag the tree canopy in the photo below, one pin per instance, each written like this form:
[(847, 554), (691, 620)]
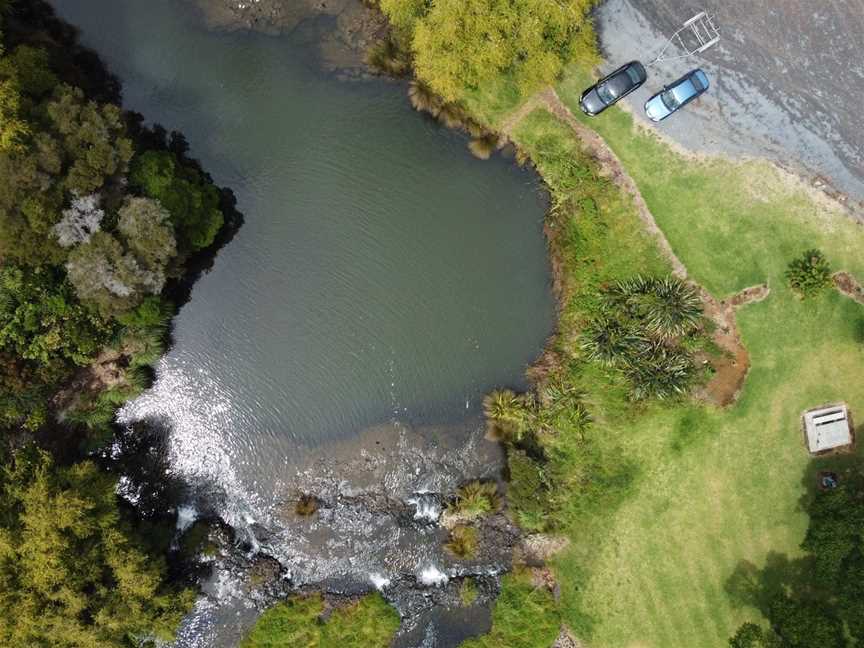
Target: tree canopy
[(459, 44), (71, 572), (816, 601)]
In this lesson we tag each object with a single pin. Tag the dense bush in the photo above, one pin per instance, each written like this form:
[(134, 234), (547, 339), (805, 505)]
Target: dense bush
[(367, 623), (191, 200), (459, 44), (80, 247), (641, 329), (816, 601), (72, 572), (475, 499), (809, 274)]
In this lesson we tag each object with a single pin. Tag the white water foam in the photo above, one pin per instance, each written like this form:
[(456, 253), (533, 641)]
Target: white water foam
[(380, 582), (186, 516), (426, 506), (431, 576)]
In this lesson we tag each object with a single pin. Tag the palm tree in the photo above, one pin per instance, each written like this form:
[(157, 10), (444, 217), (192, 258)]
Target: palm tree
[(475, 499), (484, 147), (451, 115), (668, 307), (510, 414), (675, 309), (660, 371), (423, 98), (609, 341)]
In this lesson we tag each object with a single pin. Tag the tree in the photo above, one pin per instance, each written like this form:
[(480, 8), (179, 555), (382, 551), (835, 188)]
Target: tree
[(459, 44), (92, 137), (750, 635), (806, 624), (80, 221), (13, 129), (191, 200), (109, 277), (144, 226), (29, 67), (41, 321), (72, 572), (809, 274)]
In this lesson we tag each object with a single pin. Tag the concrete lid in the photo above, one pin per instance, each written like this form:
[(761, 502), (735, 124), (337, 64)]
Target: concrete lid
[(827, 428)]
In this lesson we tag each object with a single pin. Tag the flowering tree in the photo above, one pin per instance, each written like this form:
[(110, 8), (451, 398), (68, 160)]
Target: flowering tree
[(80, 221)]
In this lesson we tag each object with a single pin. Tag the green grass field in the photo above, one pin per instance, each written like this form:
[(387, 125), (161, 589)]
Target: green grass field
[(710, 488)]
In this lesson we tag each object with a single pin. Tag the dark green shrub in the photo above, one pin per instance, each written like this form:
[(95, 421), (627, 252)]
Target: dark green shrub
[(809, 274), (528, 491)]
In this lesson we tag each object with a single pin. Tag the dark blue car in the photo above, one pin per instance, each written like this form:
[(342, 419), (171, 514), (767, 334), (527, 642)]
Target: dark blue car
[(676, 95), (612, 88)]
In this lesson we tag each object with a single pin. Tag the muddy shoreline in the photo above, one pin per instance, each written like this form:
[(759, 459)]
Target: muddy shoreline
[(341, 31)]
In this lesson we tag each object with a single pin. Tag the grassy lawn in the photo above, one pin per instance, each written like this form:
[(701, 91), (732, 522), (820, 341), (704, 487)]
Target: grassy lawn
[(699, 489), (718, 487)]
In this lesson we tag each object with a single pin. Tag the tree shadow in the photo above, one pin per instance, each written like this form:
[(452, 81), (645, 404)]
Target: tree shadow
[(750, 586), (34, 22)]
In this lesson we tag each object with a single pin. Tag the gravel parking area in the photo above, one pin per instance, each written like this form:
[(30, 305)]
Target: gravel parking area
[(787, 82)]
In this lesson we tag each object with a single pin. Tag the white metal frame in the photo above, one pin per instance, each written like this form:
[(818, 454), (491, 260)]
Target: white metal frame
[(701, 33)]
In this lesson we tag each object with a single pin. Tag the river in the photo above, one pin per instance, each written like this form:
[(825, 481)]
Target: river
[(383, 281)]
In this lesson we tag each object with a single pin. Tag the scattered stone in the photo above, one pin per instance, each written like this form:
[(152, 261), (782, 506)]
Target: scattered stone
[(540, 546), (566, 639)]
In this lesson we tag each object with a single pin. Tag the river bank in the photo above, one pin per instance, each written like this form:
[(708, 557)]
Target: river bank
[(331, 313), (645, 476)]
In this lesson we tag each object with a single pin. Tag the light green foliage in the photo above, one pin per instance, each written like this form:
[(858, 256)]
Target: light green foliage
[(92, 137), (463, 541), (403, 15), (809, 274), (468, 592), (71, 573), (460, 44), (475, 499), (190, 199), (367, 623), (41, 321), (13, 129), (524, 616)]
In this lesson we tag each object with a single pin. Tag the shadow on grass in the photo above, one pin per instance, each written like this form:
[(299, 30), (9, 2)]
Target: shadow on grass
[(784, 577)]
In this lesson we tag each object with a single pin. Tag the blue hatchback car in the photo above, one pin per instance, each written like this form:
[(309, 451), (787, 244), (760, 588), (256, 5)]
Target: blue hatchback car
[(676, 95)]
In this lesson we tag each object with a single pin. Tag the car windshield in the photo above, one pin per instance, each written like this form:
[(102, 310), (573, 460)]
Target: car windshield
[(669, 99), (605, 93), (634, 75)]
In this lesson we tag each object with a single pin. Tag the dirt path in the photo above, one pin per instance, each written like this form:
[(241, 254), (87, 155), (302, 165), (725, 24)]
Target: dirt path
[(609, 163), (730, 370), (849, 286)]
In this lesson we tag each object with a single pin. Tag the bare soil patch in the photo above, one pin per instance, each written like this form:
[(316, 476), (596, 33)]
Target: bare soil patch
[(849, 286), (730, 369)]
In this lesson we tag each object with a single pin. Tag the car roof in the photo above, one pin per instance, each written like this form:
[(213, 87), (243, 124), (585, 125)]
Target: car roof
[(684, 90)]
